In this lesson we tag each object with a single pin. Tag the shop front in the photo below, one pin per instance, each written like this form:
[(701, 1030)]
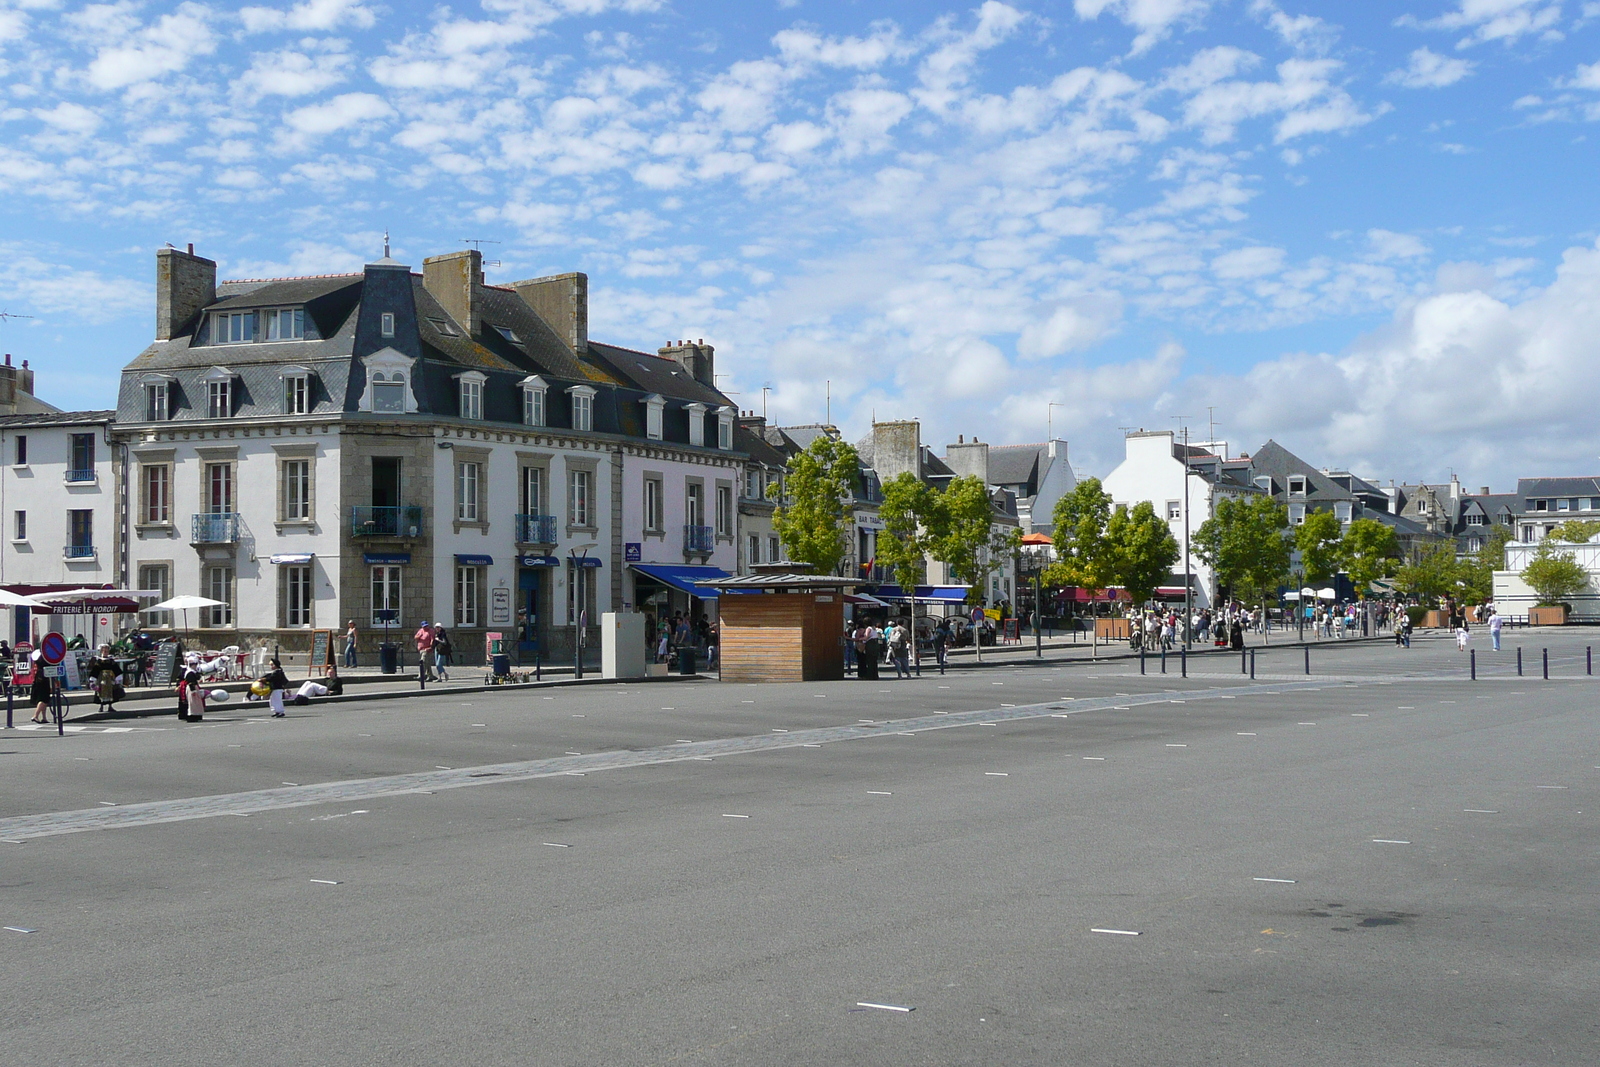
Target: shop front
[(663, 592)]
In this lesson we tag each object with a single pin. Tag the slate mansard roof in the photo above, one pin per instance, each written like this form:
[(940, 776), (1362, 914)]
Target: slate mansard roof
[(342, 329)]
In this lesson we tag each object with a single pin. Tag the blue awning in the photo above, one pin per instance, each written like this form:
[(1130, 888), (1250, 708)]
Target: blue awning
[(953, 594), (391, 558), (290, 557), (683, 577), (464, 559)]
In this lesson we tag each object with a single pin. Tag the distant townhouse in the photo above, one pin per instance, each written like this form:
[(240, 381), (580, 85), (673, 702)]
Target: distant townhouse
[(1038, 476), (764, 466), (1542, 504), (393, 447)]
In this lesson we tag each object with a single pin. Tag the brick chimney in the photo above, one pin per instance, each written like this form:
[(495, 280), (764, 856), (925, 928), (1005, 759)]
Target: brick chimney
[(968, 458), (185, 283), (896, 447), (696, 357), (455, 280), (562, 301)]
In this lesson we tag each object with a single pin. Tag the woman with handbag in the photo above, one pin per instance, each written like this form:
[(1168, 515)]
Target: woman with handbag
[(41, 691)]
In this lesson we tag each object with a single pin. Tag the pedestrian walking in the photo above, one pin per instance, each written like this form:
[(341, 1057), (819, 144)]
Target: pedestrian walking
[(1461, 637), (423, 639), (41, 690), (277, 682), (1495, 623), (443, 652), (900, 650), (941, 643), (194, 690), (350, 643)]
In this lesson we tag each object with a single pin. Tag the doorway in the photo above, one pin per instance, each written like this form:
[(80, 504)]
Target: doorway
[(385, 481)]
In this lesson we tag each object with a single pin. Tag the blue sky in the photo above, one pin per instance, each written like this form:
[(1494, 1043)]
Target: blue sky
[(1365, 229)]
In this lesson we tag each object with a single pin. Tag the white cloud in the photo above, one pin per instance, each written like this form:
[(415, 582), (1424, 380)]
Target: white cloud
[(946, 69), (1153, 19), (69, 118), (1305, 32), (291, 74), (339, 113), (1070, 326), (1250, 262), (1387, 245), (1305, 96), (163, 47), (1494, 20), (309, 15), (1429, 70)]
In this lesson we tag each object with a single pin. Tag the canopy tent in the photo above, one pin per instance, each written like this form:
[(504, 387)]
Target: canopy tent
[(1036, 539), (183, 602), (934, 594), (865, 600), (683, 577), (1080, 595)]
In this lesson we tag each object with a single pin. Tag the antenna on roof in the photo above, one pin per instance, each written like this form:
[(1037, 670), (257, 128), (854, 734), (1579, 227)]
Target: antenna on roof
[(386, 242), (764, 390), (10, 315), (478, 242)]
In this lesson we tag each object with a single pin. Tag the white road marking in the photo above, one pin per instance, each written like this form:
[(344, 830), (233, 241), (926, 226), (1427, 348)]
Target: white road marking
[(879, 793), (557, 844), (1246, 735), (1388, 841), (1359, 715), (1177, 746), (725, 815), (22, 929), (1482, 811), (883, 1007), (1103, 930), (1100, 758), (1285, 881), (998, 774), (324, 881), (1549, 787)]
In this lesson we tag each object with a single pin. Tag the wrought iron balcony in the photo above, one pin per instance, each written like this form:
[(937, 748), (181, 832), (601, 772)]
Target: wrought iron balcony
[(698, 540), (536, 529), (78, 552), (84, 475), (385, 522), (219, 529)]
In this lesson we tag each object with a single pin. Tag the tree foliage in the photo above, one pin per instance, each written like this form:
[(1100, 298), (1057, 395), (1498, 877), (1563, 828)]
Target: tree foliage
[(1245, 543), (1369, 551), (1576, 531), (1143, 549), (1477, 573), (964, 535), (908, 514), (1083, 555), (1318, 538), (1432, 575), (813, 516), (1554, 576)]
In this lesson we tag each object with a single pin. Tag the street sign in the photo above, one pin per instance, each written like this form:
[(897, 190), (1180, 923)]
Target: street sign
[(53, 649)]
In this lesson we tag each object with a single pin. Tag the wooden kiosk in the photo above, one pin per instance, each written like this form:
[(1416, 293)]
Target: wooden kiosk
[(781, 625)]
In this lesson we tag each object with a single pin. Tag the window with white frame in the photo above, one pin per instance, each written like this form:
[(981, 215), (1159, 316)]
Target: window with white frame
[(774, 549), (219, 488), (296, 394), (533, 400), (1563, 505), (156, 402), (724, 510), (1297, 485), (388, 392), (580, 596), (386, 593), (582, 407), (655, 407), (156, 578), (1476, 520), (19, 526), (697, 424), (469, 487), (233, 327), (219, 398), (1174, 509), (218, 585), (19, 456), (724, 430), (471, 394), (533, 496), (653, 521), (694, 510), (752, 484), (294, 595), (754, 554), (155, 484), (386, 324), (295, 475), (468, 582), (1297, 514), (1342, 511), (285, 324), (579, 487)]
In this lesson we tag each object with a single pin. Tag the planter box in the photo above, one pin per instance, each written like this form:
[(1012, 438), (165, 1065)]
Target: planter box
[(1556, 616), (656, 670), (1111, 629), (1435, 620)]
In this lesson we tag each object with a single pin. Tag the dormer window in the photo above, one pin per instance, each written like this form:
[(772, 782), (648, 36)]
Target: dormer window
[(725, 429), (505, 331), (655, 407), (388, 393), (219, 393), (388, 388), (582, 407), (296, 391), (471, 385), (157, 398), (386, 324), (444, 326), (1297, 485), (697, 424), (285, 324), (233, 327), (533, 400)]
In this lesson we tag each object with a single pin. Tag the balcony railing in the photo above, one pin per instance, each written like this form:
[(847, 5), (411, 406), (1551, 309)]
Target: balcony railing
[(698, 540), (84, 475), (536, 529), (218, 529), (78, 552), (385, 522)]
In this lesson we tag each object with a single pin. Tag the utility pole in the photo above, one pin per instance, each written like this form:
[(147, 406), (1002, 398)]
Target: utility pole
[(1188, 577)]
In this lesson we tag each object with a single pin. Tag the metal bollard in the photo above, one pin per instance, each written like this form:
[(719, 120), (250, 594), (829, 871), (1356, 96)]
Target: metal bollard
[(1242, 657), (1546, 656), (1472, 663), (1519, 661), (1163, 659), (1141, 659), (1183, 661), (1252, 664), (1588, 660), (1307, 651)]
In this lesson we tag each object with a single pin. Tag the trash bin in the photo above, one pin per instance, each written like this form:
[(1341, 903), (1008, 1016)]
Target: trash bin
[(389, 658), (686, 660), (501, 665)]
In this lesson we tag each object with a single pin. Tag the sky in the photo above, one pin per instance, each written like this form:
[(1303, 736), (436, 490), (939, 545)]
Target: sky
[(1364, 229)]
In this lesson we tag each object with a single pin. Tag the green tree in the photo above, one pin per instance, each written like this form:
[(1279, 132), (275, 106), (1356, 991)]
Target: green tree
[(1319, 539), (1555, 576), (813, 516), (908, 514), (1083, 555), (1246, 544), (966, 538), (1576, 531), (1434, 573), (1143, 549), (1477, 573), (1370, 550)]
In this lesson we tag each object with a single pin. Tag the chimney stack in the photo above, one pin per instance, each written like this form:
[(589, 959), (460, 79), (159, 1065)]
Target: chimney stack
[(897, 447), (455, 280), (696, 358), (185, 284), (968, 458), (562, 301)]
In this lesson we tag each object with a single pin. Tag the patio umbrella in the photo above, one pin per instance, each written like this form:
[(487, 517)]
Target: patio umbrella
[(8, 599), (183, 602), (86, 596)]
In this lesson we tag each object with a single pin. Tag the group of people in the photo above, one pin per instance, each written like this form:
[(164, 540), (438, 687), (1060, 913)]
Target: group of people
[(868, 646), (679, 632), (434, 651)]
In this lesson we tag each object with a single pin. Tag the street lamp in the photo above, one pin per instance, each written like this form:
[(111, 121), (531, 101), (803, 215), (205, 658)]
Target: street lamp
[(578, 594), (1031, 562)]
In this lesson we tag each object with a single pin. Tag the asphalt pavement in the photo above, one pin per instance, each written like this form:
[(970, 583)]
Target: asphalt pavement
[(1384, 862)]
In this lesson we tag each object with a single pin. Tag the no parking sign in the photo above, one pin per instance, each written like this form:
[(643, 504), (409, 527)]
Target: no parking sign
[(53, 649)]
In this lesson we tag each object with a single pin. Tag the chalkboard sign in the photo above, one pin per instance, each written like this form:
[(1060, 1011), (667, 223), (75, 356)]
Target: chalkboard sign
[(166, 667), (321, 652)]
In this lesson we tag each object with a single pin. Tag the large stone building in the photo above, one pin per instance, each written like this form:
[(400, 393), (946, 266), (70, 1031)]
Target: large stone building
[(400, 446)]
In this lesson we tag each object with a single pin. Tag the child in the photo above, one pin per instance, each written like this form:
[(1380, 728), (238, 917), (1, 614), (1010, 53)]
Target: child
[(1461, 637)]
